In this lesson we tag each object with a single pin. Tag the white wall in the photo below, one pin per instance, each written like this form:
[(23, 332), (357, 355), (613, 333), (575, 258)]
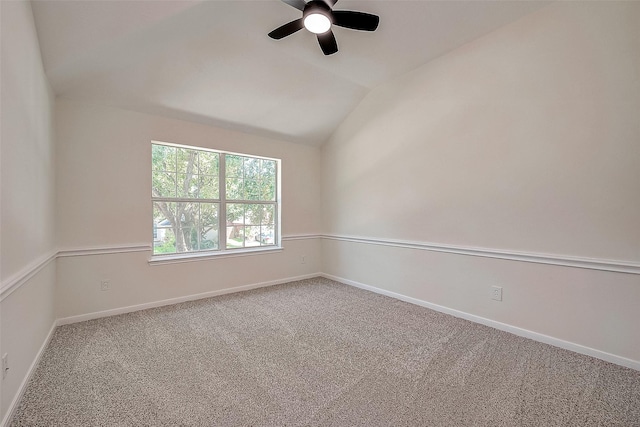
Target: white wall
[(524, 140), (27, 198), (103, 200)]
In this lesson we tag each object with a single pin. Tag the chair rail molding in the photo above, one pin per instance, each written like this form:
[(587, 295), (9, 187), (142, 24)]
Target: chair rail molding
[(290, 237), (12, 283), (617, 266), (102, 250)]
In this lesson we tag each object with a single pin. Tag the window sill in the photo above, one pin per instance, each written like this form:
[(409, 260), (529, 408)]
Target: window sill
[(193, 257)]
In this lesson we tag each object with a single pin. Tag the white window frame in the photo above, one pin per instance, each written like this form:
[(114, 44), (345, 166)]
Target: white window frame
[(222, 202)]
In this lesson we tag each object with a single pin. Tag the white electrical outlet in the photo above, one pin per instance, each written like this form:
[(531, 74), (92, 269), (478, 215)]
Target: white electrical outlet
[(105, 285), (5, 365), (496, 293), (303, 259)]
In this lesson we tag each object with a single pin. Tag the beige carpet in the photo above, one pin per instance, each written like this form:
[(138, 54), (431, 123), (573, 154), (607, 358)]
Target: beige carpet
[(316, 353)]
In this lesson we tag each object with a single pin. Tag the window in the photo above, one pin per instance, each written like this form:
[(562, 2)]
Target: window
[(196, 193)]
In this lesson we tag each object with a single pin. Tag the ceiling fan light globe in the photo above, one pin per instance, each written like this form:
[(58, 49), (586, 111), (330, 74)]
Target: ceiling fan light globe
[(317, 23)]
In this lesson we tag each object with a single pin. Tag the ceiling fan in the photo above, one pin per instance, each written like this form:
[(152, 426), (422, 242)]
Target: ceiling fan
[(318, 16)]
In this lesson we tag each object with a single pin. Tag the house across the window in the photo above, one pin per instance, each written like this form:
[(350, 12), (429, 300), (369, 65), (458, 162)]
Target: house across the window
[(197, 192)]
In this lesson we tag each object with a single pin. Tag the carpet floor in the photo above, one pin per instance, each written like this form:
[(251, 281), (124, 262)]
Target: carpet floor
[(315, 353)]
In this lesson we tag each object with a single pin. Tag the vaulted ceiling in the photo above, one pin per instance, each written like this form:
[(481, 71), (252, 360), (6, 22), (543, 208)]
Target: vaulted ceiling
[(212, 62)]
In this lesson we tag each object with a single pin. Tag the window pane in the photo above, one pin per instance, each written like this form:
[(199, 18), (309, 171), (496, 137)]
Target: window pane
[(235, 237), (187, 214), (233, 165), (235, 189), (252, 236), (251, 168), (163, 158), (163, 184), (268, 169), (208, 187), (163, 214), (186, 239), (208, 227), (252, 214), (187, 161), (235, 214), (187, 185), (208, 163), (186, 230), (165, 242), (267, 216), (268, 180), (235, 225), (267, 235), (163, 239), (267, 191), (251, 189)]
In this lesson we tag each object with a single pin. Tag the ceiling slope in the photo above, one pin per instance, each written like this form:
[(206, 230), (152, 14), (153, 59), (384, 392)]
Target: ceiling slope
[(212, 61)]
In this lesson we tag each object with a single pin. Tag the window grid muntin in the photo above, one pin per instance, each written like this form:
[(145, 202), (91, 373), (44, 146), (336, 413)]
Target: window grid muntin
[(245, 224), (260, 178), (199, 224), (221, 201)]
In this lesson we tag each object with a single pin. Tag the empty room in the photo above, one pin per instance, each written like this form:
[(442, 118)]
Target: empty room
[(320, 213)]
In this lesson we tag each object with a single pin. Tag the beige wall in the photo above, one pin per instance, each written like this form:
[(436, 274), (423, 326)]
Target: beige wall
[(524, 140), (27, 196), (27, 144), (103, 199)]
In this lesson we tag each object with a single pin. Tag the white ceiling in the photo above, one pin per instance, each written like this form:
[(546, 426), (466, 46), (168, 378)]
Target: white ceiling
[(212, 62)]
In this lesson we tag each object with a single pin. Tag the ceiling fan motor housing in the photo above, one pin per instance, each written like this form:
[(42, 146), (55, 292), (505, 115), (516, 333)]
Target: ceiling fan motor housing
[(318, 7)]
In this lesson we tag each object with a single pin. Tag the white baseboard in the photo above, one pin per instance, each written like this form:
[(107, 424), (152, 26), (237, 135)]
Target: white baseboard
[(23, 385), (170, 301), (546, 339)]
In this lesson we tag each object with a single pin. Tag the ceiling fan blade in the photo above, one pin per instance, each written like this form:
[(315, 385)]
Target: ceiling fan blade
[(328, 43), (298, 4), (287, 29), (356, 20)]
